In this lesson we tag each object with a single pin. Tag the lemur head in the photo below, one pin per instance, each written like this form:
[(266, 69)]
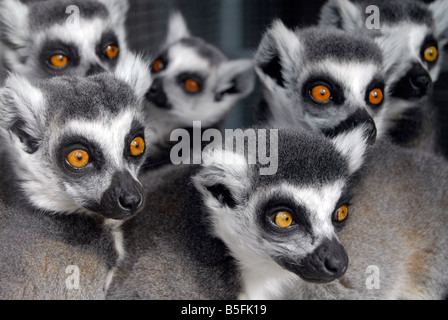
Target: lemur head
[(320, 78), (194, 80), (70, 37), (411, 34), (290, 220), (75, 144)]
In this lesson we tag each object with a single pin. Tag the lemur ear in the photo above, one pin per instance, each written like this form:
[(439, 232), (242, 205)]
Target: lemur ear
[(135, 71), (14, 26), (177, 28), (235, 78), (341, 14), (222, 179), (439, 9), (353, 144), (22, 110), (118, 10), (278, 47)]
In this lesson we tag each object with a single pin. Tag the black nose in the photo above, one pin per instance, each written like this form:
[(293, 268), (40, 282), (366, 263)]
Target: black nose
[(330, 257), (123, 199), (130, 201), (415, 84), (421, 82), (326, 263)]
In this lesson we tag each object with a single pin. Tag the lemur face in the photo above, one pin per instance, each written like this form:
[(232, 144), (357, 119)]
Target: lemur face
[(77, 143), (321, 78), (411, 35), (56, 38), (290, 220), (193, 80)]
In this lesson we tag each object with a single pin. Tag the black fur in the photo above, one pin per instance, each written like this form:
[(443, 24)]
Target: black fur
[(273, 69)]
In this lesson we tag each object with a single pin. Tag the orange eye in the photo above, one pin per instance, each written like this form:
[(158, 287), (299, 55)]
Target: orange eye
[(430, 54), (158, 65), (321, 93), (78, 158), (282, 219), (191, 85), (376, 96), (137, 146), (59, 60), (111, 51), (341, 214)]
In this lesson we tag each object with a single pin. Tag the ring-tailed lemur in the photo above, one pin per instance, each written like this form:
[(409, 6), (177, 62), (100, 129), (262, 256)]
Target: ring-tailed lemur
[(319, 78), (412, 36), (396, 239), (237, 233), (71, 151), (49, 38), (192, 81), (386, 234)]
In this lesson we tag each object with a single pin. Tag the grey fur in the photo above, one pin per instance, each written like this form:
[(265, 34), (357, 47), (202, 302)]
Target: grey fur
[(222, 83), (46, 13), (401, 230), (409, 119), (317, 55), (94, 95), (171, 253), (33, 32), (384, 225), (175, 249), (53, 217), (323, 44)]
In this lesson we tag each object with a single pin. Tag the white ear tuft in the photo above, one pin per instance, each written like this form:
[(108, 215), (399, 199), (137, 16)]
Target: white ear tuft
[(223, 178), (353, 145), (118, 10), (278, 47), (236, 77), (15, 26), (342, 14), (439, 9), (177, 28), (278, 40), (135, 71), (22, 112)]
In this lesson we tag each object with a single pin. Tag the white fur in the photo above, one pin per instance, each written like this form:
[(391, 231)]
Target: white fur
[(134, 70), (14, 16), (177, 28), (352, 145), (351, 17), (22, 58), (261, 276), (439, 9)]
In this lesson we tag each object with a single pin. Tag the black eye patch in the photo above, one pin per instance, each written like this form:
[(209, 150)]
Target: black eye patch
[(137, 130), (56, 47), (108, 38), (375, 84), (280, 203), (185, 79), (160, 63), (336, 92), (71, 143)]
